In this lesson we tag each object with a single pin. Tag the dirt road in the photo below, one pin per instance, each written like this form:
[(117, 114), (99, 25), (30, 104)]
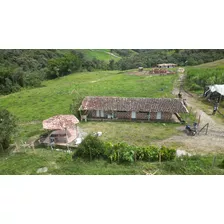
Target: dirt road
[(212, 142)]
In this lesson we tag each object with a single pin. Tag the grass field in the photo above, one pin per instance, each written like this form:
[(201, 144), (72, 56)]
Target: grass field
[(32, 106), (133, 133), (56, 95), (62, 163)]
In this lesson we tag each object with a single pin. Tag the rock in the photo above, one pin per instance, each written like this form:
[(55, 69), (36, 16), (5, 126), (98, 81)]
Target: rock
[(78, 141), (42, 170), (182, 153)]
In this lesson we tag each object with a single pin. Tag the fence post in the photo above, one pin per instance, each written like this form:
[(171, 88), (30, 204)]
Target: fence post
[(207, 129), (213, 162), (159, 157)]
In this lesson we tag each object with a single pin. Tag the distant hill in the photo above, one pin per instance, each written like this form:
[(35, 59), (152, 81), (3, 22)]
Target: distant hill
[(22, 68)]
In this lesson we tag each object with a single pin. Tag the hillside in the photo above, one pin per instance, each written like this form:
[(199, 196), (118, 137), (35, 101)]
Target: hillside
[(55, 96), (100, 54), (205, 74), (213, 64), (63, 95)]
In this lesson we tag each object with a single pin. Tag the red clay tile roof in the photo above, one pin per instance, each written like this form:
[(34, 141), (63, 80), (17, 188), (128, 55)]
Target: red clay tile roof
[(60, 122), (133, 104)]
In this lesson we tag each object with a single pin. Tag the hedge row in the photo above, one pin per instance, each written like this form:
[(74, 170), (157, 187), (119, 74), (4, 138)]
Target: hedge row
[(93, 148)]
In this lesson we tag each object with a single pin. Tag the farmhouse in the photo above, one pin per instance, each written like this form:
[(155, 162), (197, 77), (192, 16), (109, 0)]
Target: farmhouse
[(122, 108), (169, 65)]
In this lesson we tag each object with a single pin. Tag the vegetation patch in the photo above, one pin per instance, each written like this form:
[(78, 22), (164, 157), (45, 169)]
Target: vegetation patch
[(93, 148), (198, 78)]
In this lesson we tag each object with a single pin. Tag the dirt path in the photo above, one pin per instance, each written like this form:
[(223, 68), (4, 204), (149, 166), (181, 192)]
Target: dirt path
[(212, 142)]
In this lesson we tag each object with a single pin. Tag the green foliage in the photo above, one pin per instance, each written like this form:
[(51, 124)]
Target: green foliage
[(64, 158), (198, 78), (7, 129), (150, 58), (221, 165), (63, 66), (92, 147), (167, 153), (150, 153), (62, 163), (28, 68)]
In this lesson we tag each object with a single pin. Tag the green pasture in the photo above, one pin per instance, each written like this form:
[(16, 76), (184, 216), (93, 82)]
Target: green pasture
[(55, 96), (62, 163)]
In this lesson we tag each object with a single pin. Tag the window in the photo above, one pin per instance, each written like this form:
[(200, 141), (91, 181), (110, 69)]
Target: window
[(148, 116), (158, 115), (100, 113)]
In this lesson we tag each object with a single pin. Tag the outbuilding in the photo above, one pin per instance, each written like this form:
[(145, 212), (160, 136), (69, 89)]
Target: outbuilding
[(168, 65)]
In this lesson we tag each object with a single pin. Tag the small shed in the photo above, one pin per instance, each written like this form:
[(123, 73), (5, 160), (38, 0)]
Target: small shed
[(63, 129), (214, 91), (168, 65), (140, 69)]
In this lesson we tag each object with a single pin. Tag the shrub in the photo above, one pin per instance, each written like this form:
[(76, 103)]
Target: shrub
[(221, 165), (147, 153), (91, 147), (167, 154), (7, 130)]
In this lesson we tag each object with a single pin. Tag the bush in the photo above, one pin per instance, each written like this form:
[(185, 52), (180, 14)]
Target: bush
[(150, 153), (93, 148), (7, 129), (221, 165), (167, 154)]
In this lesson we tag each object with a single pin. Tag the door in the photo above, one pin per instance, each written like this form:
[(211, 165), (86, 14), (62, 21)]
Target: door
[(133, 115), (158, 115), (97, 113)]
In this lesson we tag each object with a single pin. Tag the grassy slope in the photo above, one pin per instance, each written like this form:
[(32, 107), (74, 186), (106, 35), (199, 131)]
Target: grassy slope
[(61, 163), (100, 54), (56, 96), (214, 64)]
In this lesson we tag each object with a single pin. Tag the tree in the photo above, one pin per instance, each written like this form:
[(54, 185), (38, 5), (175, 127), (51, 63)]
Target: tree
[(7, 129), (111, 64)]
